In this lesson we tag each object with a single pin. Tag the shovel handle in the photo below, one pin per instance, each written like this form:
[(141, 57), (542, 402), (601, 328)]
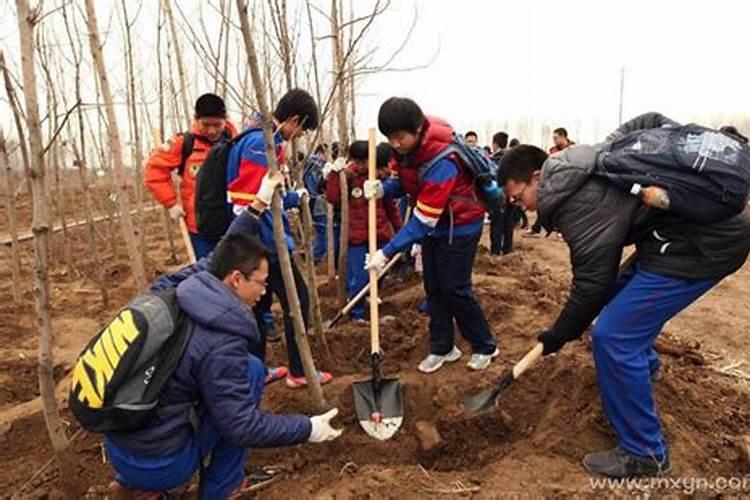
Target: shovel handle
[(186, 240), (373, 247), (529, 359)]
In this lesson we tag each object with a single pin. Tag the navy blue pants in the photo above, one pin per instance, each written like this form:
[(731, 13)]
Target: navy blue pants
[(623, 340), (202, 244), (447, 283), (224, 473), (320, 245), (357, 277), (276, 286)]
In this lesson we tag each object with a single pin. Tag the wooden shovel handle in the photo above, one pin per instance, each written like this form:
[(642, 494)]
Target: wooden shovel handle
[(529, 359), (372, 239), (186, 240)]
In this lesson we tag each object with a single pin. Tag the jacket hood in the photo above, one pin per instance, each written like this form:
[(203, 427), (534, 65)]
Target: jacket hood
[(562, 175), (211, 304)]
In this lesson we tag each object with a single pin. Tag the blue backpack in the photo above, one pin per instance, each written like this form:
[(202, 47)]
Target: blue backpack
[(480, 166), (706, 173)]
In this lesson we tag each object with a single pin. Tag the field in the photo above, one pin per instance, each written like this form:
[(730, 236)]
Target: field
[(531, 447)]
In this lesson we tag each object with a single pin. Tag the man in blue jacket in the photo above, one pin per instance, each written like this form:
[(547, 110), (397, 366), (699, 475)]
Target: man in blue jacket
[(218, 372)]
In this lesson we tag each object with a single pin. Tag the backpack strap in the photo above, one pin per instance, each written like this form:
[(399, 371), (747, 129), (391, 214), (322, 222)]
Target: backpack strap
[(187, 150)]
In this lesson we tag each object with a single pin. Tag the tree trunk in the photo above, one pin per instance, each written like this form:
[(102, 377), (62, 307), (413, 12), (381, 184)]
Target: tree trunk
[(309, 237), (66, 460), (60, 202), (340, 73), (17, 119), (300, 335), (180, 67), (330, 243), (80, 162), (10, 189), (344, 237), (113, 133)]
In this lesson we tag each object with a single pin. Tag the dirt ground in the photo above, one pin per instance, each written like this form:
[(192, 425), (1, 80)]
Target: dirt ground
[(532, 447)]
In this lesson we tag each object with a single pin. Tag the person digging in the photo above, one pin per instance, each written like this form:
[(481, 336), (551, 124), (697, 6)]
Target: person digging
[(678, 261)]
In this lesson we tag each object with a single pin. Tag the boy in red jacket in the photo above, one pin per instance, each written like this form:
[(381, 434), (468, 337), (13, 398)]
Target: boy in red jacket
[(388, 216)]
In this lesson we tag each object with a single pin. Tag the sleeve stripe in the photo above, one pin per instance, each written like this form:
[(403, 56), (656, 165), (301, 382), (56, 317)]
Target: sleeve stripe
[(428, 209), (427, 220)]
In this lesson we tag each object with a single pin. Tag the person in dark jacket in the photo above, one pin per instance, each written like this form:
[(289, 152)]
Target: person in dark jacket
[(502, 219), (677, 261), (388, 216), (219, 374), (447, 219)]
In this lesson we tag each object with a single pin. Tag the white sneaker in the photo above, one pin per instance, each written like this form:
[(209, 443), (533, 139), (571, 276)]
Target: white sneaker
[(433, 362), (482, 361)]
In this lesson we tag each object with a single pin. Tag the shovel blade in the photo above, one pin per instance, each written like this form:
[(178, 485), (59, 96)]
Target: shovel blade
[(379, 407), (488, 400)]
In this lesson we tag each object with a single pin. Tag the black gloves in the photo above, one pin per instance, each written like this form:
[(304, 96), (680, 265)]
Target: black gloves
[(552, 343)]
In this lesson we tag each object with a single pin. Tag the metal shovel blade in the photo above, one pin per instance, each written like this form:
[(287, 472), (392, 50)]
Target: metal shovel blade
[(487, 400), (379, 407)]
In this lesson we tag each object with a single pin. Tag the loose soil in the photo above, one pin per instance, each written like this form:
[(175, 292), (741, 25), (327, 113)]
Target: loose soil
[(532, 446)]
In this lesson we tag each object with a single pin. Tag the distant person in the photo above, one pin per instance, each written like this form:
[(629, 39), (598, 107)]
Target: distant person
[(502, 218), (471, 138), (314, 182), (560, 138), (185, 153), (513, 143)]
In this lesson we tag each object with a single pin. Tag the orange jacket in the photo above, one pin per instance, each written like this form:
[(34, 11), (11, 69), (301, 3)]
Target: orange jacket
[(166, 158)]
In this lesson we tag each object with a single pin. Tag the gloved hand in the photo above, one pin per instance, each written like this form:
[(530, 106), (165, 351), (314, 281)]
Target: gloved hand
[(176, 212), (376, 261), (302, 192), (373, 189), (552, 343), (321, 427), (267, 187), (416, 250), (337, 166)]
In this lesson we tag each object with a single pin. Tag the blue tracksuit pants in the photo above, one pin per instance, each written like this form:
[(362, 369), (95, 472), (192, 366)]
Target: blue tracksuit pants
[(623, 340), (224, 473)]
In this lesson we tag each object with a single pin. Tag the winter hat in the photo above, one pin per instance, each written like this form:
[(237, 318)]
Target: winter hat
[(210, 105)]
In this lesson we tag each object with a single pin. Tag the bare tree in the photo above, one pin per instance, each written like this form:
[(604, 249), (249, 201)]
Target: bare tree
[(66, 461), (17, 116), (10, 189), (178, 56), (113, 133), (286, 269)]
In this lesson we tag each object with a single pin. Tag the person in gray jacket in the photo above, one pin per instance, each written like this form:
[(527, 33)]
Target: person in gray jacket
[(678, 260)]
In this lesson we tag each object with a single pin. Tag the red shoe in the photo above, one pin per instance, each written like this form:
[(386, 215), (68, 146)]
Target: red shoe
[(256, 480), (275, 374), (297, 382)]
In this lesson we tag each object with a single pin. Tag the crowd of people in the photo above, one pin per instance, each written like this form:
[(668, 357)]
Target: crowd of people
[(436, 216)]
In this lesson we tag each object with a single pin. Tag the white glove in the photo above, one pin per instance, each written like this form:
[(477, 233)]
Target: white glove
[(321, 427), (302, 192), (377, 261), (416, 249), (373, 189), (336, 166), (267, 187), (176, 212)]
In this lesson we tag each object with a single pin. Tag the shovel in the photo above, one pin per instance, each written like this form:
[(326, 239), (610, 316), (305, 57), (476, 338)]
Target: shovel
[(360, 295), (486, 401), (377, 401)]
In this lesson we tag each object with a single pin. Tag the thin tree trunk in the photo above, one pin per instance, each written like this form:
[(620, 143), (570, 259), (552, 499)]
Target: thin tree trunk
[(308, 363), (309, 236), (136, 135), (330, 243), (340, 73), (66, 460), (343, 237), (113, 133), (17, 119), (10, 189), (178, 56), (80, 162), (60, 202)]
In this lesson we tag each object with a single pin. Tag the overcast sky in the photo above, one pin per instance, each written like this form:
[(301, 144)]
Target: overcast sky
[(552, 62)]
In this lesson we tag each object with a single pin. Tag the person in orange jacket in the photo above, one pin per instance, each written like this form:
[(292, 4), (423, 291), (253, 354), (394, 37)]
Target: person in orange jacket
[(185, 153)]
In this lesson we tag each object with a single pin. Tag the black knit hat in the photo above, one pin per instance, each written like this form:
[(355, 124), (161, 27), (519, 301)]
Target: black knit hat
[(210, 105)]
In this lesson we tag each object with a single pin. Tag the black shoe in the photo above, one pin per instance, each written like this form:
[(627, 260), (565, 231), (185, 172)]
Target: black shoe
[(620, 464)]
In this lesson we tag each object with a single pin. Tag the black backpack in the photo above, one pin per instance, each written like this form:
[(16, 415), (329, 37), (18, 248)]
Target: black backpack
[(212, 211), (480, 167), (118, 376), (706, 173)]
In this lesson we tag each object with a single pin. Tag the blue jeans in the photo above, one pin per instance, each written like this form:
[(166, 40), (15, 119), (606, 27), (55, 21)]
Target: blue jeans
[(623, 340), (202, 244), (321, 241), (223, 474)]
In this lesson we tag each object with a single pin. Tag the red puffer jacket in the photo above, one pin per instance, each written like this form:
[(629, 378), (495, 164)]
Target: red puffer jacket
[(388, 216), (436, 136)]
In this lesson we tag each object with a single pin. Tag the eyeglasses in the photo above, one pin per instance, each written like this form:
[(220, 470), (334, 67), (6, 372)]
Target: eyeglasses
[(514, 198), (249, 277)]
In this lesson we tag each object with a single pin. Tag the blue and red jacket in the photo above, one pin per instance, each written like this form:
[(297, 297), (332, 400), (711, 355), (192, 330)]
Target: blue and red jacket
[(443, 198), (246, 167)]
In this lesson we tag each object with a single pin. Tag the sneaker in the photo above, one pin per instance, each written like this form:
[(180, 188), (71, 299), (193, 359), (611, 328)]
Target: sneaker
[(424, 308), (360, 321), (434, 362), (297, 382), (620, 464), (276, 373), (481, 361)]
